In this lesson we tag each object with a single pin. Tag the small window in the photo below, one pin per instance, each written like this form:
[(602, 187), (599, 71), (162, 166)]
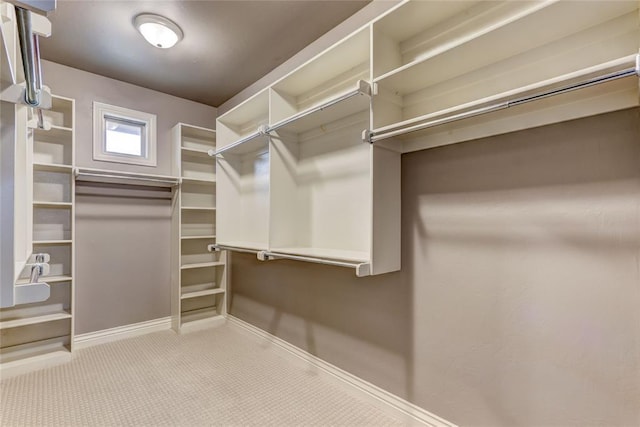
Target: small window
[(122, 135)]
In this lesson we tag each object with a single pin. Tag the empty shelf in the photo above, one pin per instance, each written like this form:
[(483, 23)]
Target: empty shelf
[(52, 167), (53, 348), (185, 294), (202, 265), (198, 208), (47, 279), (33, 320), (61, 205)]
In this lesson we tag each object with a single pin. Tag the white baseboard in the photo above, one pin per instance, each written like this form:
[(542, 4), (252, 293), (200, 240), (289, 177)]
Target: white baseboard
[(120, 332), (384, 400)]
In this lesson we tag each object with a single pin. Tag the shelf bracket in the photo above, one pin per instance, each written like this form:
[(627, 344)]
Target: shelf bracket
[(367, 135)]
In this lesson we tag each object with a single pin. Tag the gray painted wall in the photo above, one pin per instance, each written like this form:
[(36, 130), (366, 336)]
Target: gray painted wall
[(517, 303), (122, 241), (87, 87)]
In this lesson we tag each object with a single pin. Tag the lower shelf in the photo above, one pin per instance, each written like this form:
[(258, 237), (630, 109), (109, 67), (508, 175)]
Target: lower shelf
[(33, 320), (194, 321), (202, 265), (38, 351), (195, 291)]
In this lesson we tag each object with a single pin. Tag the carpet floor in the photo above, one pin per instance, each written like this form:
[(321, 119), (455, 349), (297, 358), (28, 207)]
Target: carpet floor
[(214, 377)]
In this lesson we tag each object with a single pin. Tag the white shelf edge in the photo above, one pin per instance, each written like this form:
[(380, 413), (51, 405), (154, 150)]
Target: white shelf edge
[(34, 320), (461, 41), (41, 204), (201, 265), (202, 293), (56, 166), (196, 208), (45, 279)]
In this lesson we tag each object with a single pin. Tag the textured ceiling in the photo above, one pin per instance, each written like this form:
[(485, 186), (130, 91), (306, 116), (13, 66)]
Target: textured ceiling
[(227, 45)]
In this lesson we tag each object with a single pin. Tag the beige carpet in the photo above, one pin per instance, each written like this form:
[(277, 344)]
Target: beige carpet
[(211, 377)]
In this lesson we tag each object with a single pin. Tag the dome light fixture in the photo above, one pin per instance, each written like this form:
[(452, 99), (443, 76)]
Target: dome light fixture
[(158, 30)]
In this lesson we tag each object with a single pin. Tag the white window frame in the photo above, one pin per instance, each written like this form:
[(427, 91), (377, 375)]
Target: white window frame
[(101, 112)]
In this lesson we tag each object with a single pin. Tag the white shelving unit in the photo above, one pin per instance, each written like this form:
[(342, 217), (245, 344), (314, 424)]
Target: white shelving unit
[(199, 275), (302, 183), (297, 180), (243, 175), (43, 332), (436, 59)]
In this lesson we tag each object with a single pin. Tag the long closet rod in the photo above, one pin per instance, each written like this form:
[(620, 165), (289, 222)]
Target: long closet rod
[(117, 175), (216, 247), (392, 131), (362, 88), (362, 268)]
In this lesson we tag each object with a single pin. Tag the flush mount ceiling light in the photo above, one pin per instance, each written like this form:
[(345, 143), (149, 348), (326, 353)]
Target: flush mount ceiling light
[(158, 30)]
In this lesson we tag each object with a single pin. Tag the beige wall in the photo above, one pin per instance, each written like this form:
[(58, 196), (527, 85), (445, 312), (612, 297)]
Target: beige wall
[(518, 299), (122, 241)]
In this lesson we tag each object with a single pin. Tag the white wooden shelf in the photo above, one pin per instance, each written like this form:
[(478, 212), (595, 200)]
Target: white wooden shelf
[(43, 353), (33, 320), (48, 279), (197, 208), (196, 151), (52, 205), (51, 167), (186, 294), (202, 265)]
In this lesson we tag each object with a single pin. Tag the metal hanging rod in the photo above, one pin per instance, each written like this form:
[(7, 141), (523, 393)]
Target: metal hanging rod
[(363, 88), (392, 131), (362, 269), (125, 175), (30, 53), (216, 247), (262, 131)]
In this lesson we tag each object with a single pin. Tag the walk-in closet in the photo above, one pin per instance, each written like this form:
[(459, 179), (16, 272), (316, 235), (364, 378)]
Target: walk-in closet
[(295, 213)]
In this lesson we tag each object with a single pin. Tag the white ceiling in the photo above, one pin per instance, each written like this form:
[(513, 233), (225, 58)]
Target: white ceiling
[(227, 45)]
